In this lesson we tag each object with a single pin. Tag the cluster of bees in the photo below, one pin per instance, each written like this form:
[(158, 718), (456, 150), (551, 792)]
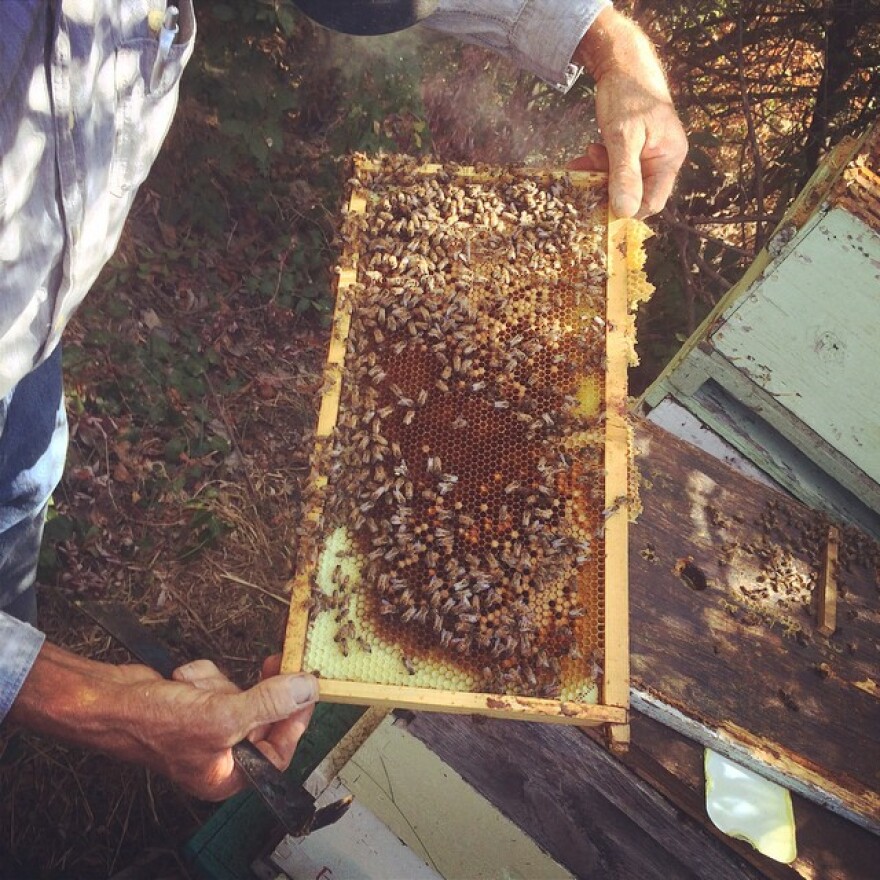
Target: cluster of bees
[(467, 460), (788, 545)]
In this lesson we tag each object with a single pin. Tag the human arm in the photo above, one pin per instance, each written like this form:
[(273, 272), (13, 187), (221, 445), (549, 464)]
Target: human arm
[(644, 142), (183, 729)]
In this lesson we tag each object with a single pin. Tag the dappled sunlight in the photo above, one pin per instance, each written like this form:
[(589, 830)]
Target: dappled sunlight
[(754, 564), (700, 487)]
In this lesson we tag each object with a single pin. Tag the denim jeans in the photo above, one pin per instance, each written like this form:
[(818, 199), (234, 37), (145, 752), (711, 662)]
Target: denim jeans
[(33, 445)]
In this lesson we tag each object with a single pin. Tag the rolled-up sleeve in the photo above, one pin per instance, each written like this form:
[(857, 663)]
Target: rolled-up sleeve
[(19, 646), (538, 35)]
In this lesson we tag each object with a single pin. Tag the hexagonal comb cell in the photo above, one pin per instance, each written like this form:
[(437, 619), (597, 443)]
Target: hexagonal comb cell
[(460, 542)]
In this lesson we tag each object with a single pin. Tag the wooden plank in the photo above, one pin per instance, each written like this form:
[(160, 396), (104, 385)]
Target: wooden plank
[(828, 846), (802, 435), (812, 390), (495, 705), (326, 772), (822, 374), (714, 647), (577, 801), (826, 592), (777, 456), (456, 830), (817, 189), (742, 747), (615, 682)]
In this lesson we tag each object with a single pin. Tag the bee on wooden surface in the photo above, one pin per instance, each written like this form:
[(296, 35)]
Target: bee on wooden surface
[(614, 507)]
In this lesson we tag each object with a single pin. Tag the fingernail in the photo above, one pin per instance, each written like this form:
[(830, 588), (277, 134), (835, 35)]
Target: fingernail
[(304, 689)]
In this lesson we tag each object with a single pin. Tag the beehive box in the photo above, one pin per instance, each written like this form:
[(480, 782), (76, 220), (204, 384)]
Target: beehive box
[(465, 540), (784, 366)]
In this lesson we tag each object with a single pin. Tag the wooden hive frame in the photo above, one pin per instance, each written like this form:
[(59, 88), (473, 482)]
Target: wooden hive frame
[(612, 706)]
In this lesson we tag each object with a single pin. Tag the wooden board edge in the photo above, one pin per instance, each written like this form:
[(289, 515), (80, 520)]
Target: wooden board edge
[(826, 588), (296, 630), (615, 681), (767, 759), (579, 178), (469, 703)]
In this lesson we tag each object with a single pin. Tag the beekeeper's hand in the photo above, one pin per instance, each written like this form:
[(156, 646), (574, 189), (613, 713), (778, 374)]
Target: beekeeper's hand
[(643, 142)]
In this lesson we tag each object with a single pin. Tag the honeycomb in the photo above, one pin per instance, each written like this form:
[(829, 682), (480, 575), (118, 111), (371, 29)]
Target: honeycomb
[(459, 504)]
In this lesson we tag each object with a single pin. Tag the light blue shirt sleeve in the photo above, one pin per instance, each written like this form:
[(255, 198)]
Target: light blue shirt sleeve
[(19, 646), (538, 35)]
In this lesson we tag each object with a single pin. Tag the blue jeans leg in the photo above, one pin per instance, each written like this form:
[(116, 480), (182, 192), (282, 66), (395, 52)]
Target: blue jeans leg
[(33, 446)]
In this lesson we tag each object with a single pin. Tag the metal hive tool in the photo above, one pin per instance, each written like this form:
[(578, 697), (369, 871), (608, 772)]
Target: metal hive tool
[(466, 540)]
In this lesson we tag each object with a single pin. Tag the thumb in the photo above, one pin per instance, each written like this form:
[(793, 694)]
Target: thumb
[(275, 699)]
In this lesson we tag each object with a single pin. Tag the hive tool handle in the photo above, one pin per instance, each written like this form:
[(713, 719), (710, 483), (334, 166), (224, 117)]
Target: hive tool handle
[(290, 803)]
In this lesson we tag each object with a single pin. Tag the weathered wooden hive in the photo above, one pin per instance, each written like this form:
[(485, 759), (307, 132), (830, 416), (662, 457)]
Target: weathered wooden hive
[(785, 367)]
